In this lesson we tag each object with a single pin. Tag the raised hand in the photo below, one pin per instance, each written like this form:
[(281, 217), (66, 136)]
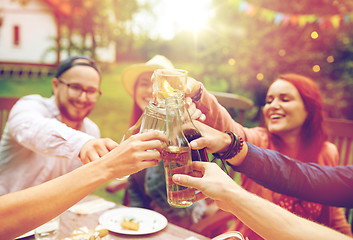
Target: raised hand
[(212, 139), (136, 153), (96, 148), (195, 113), (214, 183)]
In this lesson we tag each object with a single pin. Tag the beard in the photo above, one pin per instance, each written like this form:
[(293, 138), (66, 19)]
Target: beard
[(74, 115)]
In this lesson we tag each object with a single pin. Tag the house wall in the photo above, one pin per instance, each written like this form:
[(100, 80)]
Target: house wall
[(37, 32)]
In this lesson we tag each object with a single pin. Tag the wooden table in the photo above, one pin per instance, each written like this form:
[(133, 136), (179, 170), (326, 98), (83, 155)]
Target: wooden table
[(70, 221)]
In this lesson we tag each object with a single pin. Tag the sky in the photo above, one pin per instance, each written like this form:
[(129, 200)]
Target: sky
[(174, 16)]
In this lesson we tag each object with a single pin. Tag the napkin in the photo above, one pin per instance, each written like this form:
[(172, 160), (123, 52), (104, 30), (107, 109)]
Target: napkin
[(92, 206)]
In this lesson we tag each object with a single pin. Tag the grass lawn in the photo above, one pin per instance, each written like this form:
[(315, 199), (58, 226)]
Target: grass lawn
[(116, 197)]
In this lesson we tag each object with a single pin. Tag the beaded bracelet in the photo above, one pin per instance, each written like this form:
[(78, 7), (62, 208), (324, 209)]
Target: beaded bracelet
[(236, 145)]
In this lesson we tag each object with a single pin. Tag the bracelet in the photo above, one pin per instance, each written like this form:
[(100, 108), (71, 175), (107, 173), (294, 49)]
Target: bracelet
[(199, 93), (236, 145), (231, 146)]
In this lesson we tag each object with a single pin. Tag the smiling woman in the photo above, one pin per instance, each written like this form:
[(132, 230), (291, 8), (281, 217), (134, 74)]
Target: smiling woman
[(175, 16)]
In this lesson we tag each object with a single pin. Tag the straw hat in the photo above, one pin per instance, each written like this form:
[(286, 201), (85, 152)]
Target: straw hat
[(130, 74)]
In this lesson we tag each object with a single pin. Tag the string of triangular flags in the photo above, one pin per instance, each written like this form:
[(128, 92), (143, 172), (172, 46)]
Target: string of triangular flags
[(301, 20)]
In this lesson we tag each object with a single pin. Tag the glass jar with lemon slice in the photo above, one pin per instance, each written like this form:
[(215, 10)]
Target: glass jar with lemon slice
[(167, 82)]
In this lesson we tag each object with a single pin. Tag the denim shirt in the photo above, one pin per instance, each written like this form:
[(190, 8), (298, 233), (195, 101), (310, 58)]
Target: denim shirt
[(308, 181)]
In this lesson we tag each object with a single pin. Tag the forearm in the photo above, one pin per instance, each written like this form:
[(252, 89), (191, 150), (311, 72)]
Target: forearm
[(29, 208), (272, 222), (36, 205), (216, 115), (327, 185), (48, 136)]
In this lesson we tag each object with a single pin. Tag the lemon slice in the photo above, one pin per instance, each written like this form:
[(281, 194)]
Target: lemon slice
[(167, 87), (168, 90)]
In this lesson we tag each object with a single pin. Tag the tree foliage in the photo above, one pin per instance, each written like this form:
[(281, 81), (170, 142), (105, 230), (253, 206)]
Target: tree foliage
[(239, 53), (254, 51), (87, 24)]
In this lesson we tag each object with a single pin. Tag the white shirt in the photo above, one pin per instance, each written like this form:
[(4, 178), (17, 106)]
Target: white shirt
[(36, 146)]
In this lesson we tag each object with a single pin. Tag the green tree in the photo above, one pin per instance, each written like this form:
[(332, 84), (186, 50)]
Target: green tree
[(98, 23), (253, 50)]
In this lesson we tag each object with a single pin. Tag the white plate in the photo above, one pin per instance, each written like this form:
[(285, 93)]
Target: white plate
[(149, 221), (229, 235), (27, 234)]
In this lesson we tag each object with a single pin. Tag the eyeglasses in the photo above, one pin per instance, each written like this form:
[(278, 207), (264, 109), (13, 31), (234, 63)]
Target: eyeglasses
[(75, 90)]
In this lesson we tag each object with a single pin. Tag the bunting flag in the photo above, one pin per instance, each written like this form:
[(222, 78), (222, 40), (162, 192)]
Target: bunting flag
[(301, 20)]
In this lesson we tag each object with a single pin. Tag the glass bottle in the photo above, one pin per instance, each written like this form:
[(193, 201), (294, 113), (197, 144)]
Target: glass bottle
[(177, 157), (153, 118), (191, 132)]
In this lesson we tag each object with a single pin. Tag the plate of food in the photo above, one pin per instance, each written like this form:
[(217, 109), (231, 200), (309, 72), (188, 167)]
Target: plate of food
[(133, 221)]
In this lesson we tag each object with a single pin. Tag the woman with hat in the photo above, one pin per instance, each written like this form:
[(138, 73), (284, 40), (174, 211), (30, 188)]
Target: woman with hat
[(147, 188), (137, 82)]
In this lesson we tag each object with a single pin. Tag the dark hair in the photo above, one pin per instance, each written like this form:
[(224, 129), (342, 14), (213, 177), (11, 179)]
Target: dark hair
[(313, 132), (70, 62)]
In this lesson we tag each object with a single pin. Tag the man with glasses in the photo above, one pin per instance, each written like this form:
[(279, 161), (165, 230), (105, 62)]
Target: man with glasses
[(48, 137)]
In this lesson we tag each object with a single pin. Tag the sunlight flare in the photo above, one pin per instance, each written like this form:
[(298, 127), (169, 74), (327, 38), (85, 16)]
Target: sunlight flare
[(175, 16)]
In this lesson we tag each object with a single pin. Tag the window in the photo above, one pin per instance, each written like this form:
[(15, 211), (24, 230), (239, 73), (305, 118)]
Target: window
[(16, 35)]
